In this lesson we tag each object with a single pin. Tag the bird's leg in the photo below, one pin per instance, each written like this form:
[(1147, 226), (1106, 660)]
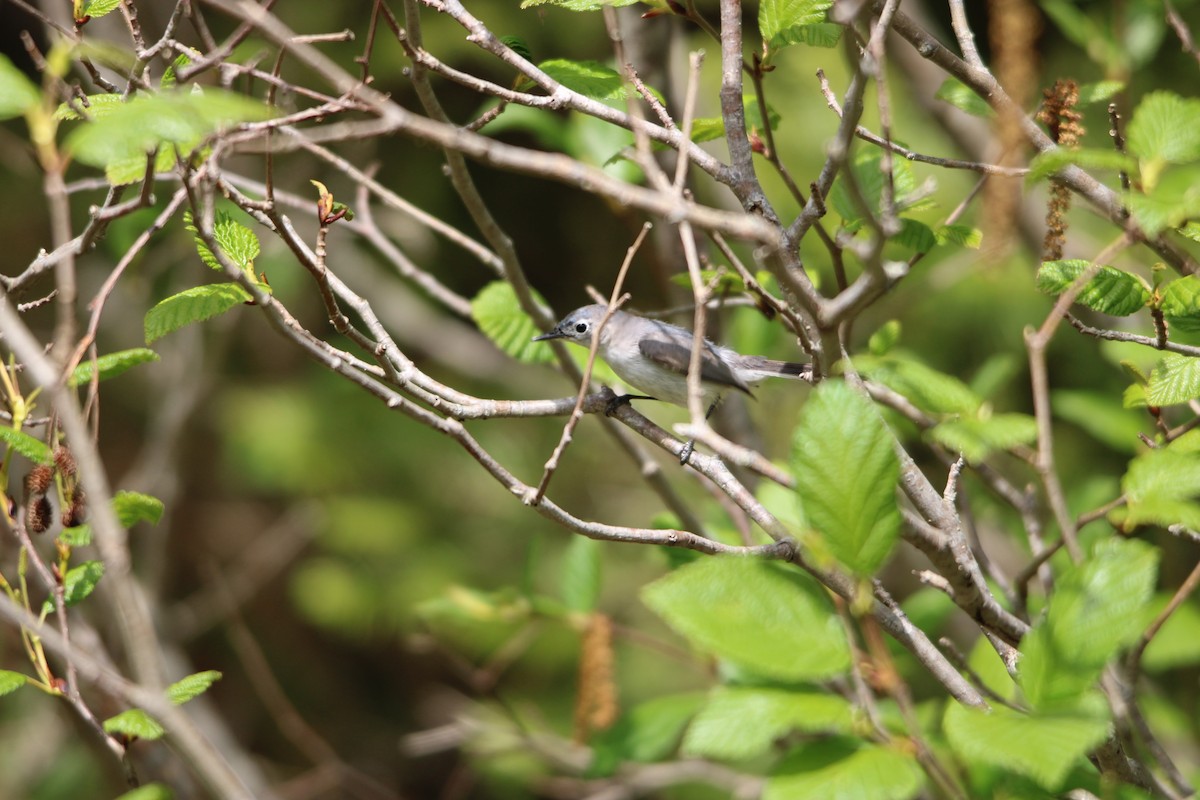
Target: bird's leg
[(624, 400), (690, 445)]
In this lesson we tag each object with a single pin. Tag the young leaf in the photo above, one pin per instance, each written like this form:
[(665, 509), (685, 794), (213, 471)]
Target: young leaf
[(149, 791), (136, 724), (110, 365), (821, 34), (846, 473), (79, 581), (78, 536), (1099, 92), (192, 686), (169, 79), (844, 767), (1041, 747), (581, 574), (192, 305), (930, 390), (779, 21), (97, 8), (961, 235), (589, 78), (1181, 298), (978, 438), (33, 449), (17, 93), (1161, 488), (1165, 127), (916, 236), (1171, 198), (95, 107), (235, 240), (135, 507), (11, 681), (1046, 164), (497, 313), (1109, 290), (647, 733), (957, 94), (743, 722), (1176, 379), (751, 613)]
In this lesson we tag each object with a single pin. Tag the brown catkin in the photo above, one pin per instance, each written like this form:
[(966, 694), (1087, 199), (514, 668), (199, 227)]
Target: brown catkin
[(596, 704), (38, 480), (38, 515), (1061, 119), (64, 461)]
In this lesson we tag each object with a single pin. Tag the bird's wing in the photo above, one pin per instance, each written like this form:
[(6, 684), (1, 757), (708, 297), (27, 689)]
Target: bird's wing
[(676, 357)]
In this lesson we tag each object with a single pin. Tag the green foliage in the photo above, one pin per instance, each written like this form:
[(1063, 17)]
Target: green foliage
[(1180, 303), (1101, 415), (192, 305), (1161, 487), (192, 686), (1108, 290), (498, 314), (867, 171), (589, 78), (94, 106), (581, 574), (95, 8), (11, 681), (78, 583), (235, 240), (960, 235), (978, 438), (884, 339), (577, 5), (1175, 379), (134, 507), (135, 724), (1096, 609), (518, 46), (150, 791), (648, 732), (1047, 163), (33, 449), (18, 94), (1176, 644), (1165, 128), (1099, 92), (1175, 198), (748, 612), (110, 365), (788, 22), (844, 767), (1043, 747), (744, 722), (78, 536), (846, 473), (929, 390), (708, 129), (962, 97)]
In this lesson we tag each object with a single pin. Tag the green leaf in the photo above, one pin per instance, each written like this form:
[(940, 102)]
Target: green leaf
[(1176, 643), (98, 8), (78, 536), (18, 94), (1175, 379), (110, 365), (169, 79), (134, 507), (164, 120), (978, 438), (150, 791), (581, 574), (518, 46), (846, 473), (97, 106), (744, 722), (962, 97), (588, 78), (192, 686), (1165, 127), (1041, 747), (33, 449), (930, 390), (1097, 608), (961, 235), (124, 171), (1099, 92), (498, 314), (1160, 488), (1049, 162), (751, 613), (1181, 298), (1101, 415), (192, 305), (80, 581), (780, 21), (845, 768), (134, 723), (11, 681), (916, 236), (577, 5), (707, 129), (647, 733), (821, 34), (1172, 198), (1109, 290), (235, 240), (884, 339)]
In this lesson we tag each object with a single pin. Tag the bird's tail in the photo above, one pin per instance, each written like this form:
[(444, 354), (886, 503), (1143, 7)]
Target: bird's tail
[(769, 368)]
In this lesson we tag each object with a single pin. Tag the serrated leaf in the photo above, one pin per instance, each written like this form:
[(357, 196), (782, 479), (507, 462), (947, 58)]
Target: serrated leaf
[(744, 722), (1161, 487), (646, 733), (1109, 290), (134, 507), (1165, 127), (498, 314), (577, 5), (169, 79), (78, 536), (845, 768), (846, 473), (134, 723), (930, 390), (1041, 747), (978, 438), (150, 791), (780, 21), (192, 305), (111, 365), (751, 613), (11, 681), (821, 34), (79, 582), (1180, 302), (235, 240), (98, 8), (1171, 197), (959, 95), (961, 235), (581, 574), (916, 236), (18, 94), (34, 449), (97, 106), (1049, 162), (867, 171), (192, 686), (1097, 608), (1175, 379), (518, 46), (588, 78)]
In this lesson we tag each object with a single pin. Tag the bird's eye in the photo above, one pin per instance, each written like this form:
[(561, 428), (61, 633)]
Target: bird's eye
[(581, 327)]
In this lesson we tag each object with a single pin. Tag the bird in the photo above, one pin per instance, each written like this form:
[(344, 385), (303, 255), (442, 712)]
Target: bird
[(653, 357)]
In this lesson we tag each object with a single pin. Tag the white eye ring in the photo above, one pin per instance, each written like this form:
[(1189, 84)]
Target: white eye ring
[(581, 327)]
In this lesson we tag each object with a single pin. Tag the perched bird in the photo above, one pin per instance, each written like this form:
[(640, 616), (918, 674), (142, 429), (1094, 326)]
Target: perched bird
[(653, 357)]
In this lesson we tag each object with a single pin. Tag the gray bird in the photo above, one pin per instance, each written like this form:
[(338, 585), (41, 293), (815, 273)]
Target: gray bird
[(653, 357)]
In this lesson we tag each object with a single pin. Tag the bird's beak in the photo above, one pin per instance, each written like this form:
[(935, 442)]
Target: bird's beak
[(554, 334)]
